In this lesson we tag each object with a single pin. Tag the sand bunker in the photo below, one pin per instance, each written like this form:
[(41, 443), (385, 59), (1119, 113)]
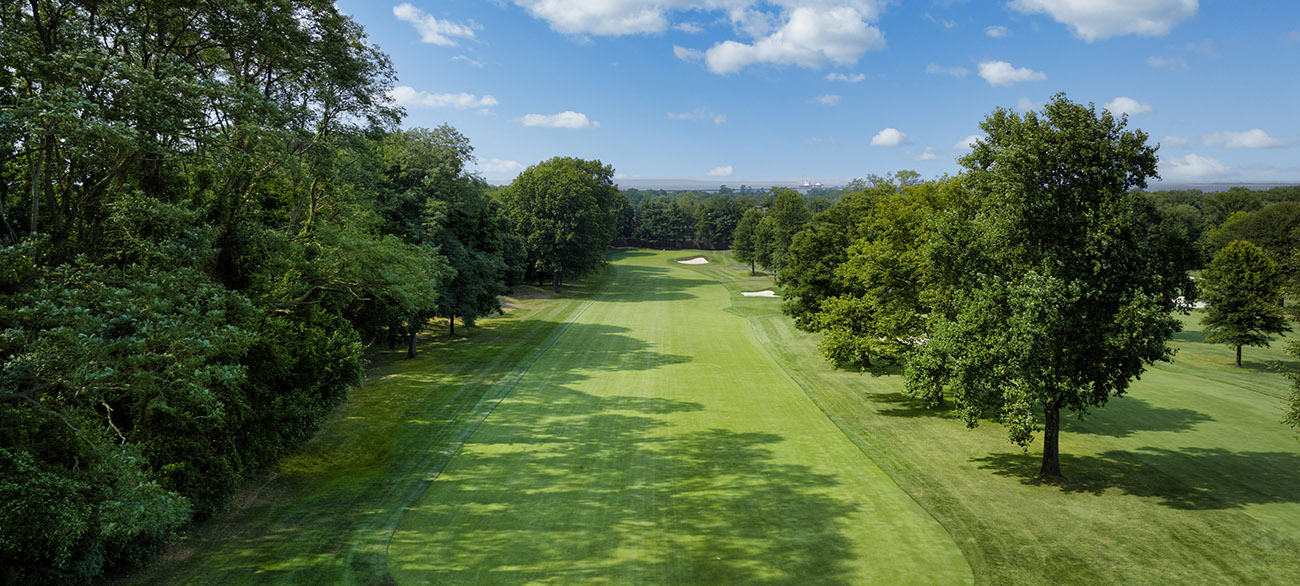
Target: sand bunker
[(767, 293), (699, 260)]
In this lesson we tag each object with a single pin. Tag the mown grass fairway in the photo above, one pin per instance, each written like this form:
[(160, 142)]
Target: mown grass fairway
[(656, 442), (658, 427)]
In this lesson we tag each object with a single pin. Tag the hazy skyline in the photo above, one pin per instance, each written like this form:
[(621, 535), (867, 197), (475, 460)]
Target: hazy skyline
[(736, 91)]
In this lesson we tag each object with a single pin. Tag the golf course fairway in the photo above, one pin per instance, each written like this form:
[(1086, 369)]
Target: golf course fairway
[(655, 441)]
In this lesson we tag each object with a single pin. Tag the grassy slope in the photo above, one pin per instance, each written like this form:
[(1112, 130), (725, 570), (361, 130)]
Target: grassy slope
[(325, 515), (1189, 479), (657, 443)]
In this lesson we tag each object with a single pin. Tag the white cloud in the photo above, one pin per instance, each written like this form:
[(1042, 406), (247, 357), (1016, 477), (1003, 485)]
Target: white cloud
[(1093, 20), (1176, 142), (1246, 139), (691, 55), (700, 113), (889, 137), (468, 61), (811, 37), (1026, 104), (1170, 63), (725, 171), (925, 155), (689, 28), (997, 32), (829, 100), (566, 119), (968, 143), (432, 30), (855, 78), (1123, 105), (1192, 166), (500, 167), (408, 97), (821, 140), (1293, 36), (600, 17), (1001, 73), (937, 69)]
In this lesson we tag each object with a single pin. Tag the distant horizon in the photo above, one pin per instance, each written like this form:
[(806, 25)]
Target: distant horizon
[(672, 184)]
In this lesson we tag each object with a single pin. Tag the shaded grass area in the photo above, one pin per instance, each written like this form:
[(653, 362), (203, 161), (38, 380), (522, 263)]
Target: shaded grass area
[(326, 513), (1188, 479), (676, 454)]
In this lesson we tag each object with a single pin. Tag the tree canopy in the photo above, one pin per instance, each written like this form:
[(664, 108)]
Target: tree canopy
[(1241, 288), (566, 211), (1059, 289)]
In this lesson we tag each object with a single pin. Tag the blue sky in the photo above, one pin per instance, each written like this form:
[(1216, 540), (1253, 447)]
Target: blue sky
[(748, 91)]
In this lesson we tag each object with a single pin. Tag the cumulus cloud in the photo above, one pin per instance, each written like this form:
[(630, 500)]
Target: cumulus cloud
[(968, 143), (689, 28), (1123, 105), (997, 32), (700, 113), (1293, 36), (690, 55), (1170, 63), (925, 155), (1246, 139), (937, 69), (855, 78), (500, 167), (408, 97), (1192, 166), (566, 119), (432, 30), (1026, 104), (1093, 20), (888, 137), (600, 17), (1001, 73), (811, 37), (829, 100), (1176, 142), (724, 171)]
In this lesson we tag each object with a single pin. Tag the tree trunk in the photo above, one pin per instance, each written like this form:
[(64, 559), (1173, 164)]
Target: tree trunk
[(451, 321), (34, 166), (751, 268), (555, 281), (410, 345), (1238, 355), (1051, 441)]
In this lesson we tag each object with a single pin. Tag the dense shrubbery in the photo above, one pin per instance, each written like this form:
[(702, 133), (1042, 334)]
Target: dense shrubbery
[(206, 212)]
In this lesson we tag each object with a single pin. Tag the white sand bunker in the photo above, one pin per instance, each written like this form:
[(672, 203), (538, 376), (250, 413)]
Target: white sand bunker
[(766, 293), (699, 260)]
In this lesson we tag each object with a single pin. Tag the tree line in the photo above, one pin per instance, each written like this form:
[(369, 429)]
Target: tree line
[(207, 214), (1041, 279)]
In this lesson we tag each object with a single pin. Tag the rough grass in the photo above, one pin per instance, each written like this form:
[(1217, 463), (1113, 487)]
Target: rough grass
[(657, 439)]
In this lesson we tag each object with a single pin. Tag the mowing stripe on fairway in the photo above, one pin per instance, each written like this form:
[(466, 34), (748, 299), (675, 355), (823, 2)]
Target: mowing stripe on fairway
[(656, 442)]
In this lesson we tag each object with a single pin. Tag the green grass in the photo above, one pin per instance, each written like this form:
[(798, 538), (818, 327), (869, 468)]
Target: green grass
[(654, 426)]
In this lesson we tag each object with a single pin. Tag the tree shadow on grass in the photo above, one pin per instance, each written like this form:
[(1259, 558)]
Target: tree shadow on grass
[(639, 284), (905, 405), (1123, 416), (578, 488), (1190, 478)]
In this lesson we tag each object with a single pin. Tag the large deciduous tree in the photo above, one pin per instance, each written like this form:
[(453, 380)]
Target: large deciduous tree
[(1060, 288), (744, 240), (566, 211), (1241, 287)]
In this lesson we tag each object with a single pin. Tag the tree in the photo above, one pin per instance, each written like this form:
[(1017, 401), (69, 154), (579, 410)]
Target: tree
[(786, 218), (566, 211), (1241, 288), (745, 239), (1059, 288)]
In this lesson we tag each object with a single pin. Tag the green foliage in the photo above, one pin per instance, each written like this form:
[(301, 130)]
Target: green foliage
[(566, 212), (745, 238), (1058, 290), (1241, 288)]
